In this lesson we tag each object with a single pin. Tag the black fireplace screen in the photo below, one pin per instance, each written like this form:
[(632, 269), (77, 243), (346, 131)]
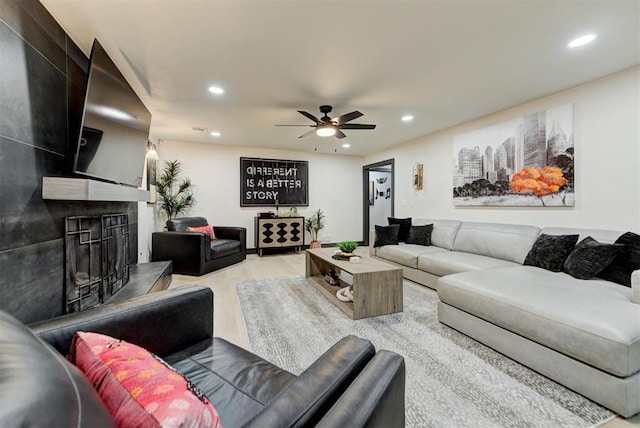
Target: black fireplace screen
[(97, 259)]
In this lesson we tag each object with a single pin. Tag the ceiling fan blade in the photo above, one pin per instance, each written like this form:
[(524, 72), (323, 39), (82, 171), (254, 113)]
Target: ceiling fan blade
[(306, 134), (357, 126), (297, 125), (310, 116), (346, 117), (340, 134)]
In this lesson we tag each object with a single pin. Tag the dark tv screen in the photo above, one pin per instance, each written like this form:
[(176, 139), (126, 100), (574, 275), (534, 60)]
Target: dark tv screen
[(115, 125)]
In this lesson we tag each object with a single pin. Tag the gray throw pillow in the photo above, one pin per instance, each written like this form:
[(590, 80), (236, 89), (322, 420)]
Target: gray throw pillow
[(386, 235), (550, 251), (590, 257), (420, 235)]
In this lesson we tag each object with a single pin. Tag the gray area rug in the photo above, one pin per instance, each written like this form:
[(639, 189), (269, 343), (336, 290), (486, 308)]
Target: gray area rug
[(452, 380)]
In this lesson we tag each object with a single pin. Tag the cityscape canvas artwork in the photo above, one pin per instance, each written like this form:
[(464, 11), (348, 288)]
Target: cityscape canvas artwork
[(524, 162)]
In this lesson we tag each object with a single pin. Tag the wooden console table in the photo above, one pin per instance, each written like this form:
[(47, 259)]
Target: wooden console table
[(279, 232), (376, 285)]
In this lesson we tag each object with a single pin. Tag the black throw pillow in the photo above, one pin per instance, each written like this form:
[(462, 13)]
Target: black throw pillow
[(550, 251), (627, 260), (386, 235), (590, 257), (405, 225), (420, 235)]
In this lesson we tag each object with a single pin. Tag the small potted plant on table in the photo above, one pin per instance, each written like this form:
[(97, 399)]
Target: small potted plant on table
[(347, 248)]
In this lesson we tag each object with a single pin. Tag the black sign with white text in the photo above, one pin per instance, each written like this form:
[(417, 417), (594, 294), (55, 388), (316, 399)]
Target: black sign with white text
[(270, 182)]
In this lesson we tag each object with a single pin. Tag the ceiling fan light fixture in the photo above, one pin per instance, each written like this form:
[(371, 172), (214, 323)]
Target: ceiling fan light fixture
[(326, 131), (332, 127)]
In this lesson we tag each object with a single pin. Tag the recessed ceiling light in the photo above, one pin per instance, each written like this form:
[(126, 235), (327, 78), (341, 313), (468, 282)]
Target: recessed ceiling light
[(346, 145), (407, 118), (215, 133), (216, 90), (583, 40)]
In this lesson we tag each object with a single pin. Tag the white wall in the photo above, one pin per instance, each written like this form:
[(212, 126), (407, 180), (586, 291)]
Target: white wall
[(607, 156), (335, 186), (147, 224)]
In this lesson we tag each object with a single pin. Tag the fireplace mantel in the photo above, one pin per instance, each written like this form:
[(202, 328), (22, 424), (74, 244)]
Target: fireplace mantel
[(81, 189)]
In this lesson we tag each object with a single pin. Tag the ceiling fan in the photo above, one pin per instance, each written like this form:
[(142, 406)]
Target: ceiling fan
[(327, 126)]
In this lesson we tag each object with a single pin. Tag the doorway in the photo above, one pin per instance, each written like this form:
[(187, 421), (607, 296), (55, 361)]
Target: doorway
[(378, 195)]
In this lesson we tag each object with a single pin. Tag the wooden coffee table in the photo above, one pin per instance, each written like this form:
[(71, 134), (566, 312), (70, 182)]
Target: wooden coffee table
[(376, 285)]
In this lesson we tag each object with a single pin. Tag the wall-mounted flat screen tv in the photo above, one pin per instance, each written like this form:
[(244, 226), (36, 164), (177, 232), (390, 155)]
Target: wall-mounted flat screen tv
[(115, 126)]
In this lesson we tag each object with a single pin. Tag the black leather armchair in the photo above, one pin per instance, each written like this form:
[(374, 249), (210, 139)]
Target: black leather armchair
[(350, 385), (193, 253)]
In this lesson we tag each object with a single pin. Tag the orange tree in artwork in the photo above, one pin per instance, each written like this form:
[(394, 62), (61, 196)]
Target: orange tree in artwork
[(538, 181)]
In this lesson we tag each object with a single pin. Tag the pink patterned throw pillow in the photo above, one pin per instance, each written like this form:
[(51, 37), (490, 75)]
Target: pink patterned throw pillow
[(138, 388), (206, 229)]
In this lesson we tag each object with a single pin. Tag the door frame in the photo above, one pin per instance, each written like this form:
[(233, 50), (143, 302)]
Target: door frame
[(365, 193)]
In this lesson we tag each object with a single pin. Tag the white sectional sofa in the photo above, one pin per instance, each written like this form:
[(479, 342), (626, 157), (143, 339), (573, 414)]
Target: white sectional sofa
[(584, 334)]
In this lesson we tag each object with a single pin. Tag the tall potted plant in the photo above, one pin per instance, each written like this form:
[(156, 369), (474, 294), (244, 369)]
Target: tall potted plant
[(175, 193), (313, 225)]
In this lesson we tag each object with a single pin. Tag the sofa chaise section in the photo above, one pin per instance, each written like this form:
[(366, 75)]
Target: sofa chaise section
[(593, 321), (584, 334)]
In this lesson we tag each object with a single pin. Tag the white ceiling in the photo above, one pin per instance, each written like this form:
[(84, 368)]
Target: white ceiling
[(444, 62)]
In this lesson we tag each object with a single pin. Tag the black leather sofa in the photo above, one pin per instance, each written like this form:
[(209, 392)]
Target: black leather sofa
[(194, 253), (350, 385)]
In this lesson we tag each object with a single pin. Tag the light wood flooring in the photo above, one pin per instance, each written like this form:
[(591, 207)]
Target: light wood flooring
[(228, 321)]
